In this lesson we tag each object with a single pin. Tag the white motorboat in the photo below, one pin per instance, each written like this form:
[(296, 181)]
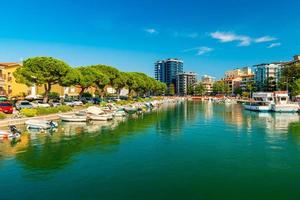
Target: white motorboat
[(282, 103), (73, 118), (262, 102), (120, 113), (40, 124), (101, 117), (12, 134)]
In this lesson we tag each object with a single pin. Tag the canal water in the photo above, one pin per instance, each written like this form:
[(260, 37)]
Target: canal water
[(192, 150)]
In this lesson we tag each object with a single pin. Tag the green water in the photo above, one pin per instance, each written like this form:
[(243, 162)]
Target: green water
[(190, 151)]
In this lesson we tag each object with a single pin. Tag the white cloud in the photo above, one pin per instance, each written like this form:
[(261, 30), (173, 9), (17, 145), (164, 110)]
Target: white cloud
[(243, 40), (200, 50), (151, 31), (265, 39), (204, 50), (231, 37), (274, 45)]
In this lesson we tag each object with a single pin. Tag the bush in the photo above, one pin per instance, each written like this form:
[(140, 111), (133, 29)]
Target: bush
[(88, 104), (2, 115), (47, 111), (87, 95), (103, 104), (53, 95), (27, 112), (53, 110), (64, 108)]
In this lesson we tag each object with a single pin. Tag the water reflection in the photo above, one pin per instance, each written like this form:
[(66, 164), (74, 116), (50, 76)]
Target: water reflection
[(52, 151)]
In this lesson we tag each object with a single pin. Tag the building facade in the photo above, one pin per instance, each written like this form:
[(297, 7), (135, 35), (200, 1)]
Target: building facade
[(238, 78), (267, 76), (160, 71), (166, 71), (184, 81), (207, 82), (8, 85)]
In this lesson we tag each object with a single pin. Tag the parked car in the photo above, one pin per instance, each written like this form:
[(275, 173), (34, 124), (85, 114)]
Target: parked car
[(6, 107), (86, 100), (69, 102), (55, 103), (40, 104), (97, 100), (23, 104), (77, 103)]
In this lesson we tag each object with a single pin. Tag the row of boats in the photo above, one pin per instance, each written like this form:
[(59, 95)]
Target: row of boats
[(278, 101), (92, 113)]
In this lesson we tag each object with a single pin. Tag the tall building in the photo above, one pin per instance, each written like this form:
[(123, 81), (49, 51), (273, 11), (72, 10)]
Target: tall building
[(267, 76), (184, 81), (166, 71), (160, 71)]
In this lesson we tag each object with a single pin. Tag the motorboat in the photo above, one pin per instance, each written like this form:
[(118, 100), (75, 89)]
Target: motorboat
[(283, 104), (100, 117), (120, 113), (12, 134), (263, 102), (73, 118), (130, 110), (40, 124)]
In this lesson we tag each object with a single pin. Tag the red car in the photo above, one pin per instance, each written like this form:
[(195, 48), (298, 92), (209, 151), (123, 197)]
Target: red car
[(6, 107)]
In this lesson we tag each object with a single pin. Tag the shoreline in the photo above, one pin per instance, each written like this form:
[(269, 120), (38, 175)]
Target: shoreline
[(55, 116)]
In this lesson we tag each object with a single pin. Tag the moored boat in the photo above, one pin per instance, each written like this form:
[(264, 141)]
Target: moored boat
[(262, 102), (12, 134), (283, 104), (40, 124), (101, 117), (72, 118)]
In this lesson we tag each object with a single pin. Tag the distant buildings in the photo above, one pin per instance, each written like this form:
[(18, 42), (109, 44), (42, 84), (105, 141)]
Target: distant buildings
[(238, 78), (166, 71), (267, 76), (184, 81), (207, 82)]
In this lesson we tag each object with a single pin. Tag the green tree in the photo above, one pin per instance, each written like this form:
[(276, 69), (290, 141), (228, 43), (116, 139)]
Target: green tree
[(199, 89), (219, 87), (238, 91), (46, 71), (120, 82), (296, 88), (172, 89)]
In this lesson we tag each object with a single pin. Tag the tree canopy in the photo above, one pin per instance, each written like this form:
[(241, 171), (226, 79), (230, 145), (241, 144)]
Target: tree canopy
[(46, 71)]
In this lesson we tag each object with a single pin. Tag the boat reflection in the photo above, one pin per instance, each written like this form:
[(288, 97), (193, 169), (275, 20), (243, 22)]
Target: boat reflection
[(278, 122)]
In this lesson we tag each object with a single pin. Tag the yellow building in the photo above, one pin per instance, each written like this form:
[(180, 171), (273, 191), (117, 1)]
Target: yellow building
[(8, 85), (10, 88)]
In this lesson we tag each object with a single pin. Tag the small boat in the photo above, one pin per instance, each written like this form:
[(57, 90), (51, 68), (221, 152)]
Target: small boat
[(101, 117), (73, 118), (120, 113), (12, 133), (282, 103), (40, 124), (130, 110), (262, 102)]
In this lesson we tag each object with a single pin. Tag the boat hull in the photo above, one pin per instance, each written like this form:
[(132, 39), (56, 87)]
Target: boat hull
[(73, 118), (285, 108)]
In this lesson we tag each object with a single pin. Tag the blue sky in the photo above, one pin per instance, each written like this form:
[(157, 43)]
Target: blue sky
[(209, 36)]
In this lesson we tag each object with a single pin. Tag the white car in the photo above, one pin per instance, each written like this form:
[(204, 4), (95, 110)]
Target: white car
[(77, 103), (39, 104)]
